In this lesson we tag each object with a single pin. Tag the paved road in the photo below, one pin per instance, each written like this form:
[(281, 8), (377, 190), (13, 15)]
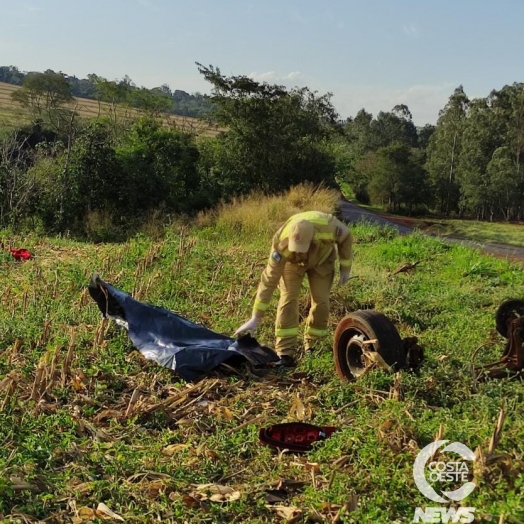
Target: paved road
[(353, 213)]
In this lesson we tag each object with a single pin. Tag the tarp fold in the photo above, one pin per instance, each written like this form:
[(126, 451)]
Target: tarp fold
[(173, 341)]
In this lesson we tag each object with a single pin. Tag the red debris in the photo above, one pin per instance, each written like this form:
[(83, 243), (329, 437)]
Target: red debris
[(20, 254), (297, 437)]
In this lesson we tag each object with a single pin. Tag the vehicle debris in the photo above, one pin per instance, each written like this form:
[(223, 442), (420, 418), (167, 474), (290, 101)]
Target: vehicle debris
[(509, 321), (20, 254), (365, 339), (297, 437)]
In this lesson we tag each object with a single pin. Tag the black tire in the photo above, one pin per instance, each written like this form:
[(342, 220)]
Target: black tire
[(361, 326), (508, 310)]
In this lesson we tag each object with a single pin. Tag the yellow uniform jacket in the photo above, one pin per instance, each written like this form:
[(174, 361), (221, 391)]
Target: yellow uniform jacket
[(329, 232)]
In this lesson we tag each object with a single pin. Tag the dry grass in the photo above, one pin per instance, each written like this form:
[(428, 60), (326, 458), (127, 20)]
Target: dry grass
[(258, 213), (92, 109)]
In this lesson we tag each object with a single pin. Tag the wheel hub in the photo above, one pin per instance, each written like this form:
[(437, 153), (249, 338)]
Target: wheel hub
[(355, 356)]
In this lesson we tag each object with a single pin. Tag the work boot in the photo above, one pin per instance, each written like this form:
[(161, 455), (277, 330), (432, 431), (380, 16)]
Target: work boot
[(286, 361)]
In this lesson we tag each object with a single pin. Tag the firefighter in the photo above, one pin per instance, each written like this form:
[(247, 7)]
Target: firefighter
[(304, 245)]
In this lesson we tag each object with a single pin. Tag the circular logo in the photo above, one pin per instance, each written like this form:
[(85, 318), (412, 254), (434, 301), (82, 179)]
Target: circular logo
[(457, 471)]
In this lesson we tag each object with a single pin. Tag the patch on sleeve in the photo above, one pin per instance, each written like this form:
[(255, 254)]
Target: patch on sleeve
[(339, 231), (277, 257)]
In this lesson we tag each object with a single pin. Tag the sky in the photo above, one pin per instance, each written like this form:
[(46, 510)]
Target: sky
[(371, 54)]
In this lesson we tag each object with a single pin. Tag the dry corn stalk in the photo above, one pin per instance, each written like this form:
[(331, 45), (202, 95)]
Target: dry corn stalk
[(9, 385), (14, 351), (484, 459), (100, 333), (132, 401), (66, 366), (396, 391), (438, 436)]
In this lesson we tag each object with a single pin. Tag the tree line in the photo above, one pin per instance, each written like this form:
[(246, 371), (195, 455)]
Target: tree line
[(123, 91), (101, 178), (468, 165)]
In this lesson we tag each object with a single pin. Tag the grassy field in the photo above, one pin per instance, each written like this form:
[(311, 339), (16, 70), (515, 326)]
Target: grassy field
[(12, 114), (87, 426), (479, 231), (484, 232)]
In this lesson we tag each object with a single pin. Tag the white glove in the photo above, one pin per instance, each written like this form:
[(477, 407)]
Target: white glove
[(344, 276), (249, 327)]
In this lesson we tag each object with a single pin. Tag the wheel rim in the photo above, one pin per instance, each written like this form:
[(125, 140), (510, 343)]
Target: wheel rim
[(349, 352), (507, 311), (355, 356)]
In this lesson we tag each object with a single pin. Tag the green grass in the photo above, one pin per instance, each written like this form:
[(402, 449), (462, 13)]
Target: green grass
[(11, 118), (479, 231), (76, 440), (484, 232)]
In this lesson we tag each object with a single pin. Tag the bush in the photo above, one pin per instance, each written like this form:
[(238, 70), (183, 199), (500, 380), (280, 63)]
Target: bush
[(160, 167)]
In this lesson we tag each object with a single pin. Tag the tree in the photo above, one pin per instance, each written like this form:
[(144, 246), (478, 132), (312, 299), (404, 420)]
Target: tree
[(424, 134), (508, 104), (362, 174), (87, 178), (506, 189), (113, 92), (16, 184), (415, 188), (385, 182), (397, 178), (444, 150), (152, 103), (359, 134), (490, 165), (275, 138), (480, 137), (44, 94), (11, 75), (396, 126), (161, 169), (82, 88), (402, 111)]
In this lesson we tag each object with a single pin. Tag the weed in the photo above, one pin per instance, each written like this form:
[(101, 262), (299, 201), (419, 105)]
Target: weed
[(84, 419)]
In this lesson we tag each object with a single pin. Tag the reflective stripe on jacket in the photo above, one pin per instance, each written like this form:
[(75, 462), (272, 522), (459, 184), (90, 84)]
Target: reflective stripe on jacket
[(329, 231)]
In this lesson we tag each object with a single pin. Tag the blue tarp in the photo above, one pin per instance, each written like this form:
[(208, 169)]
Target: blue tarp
[(173, 341)]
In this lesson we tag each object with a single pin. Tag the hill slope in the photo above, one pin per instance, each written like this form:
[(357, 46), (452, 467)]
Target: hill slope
[(85, 420), (11, 113)]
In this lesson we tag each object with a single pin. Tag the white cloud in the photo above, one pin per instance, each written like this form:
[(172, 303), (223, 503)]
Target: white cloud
[(294, 76), (268, 76), (291, 79), (411, 30), (25, 10)]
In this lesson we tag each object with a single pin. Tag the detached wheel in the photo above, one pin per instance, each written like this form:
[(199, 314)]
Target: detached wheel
[(355, 329), (507, 311)]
